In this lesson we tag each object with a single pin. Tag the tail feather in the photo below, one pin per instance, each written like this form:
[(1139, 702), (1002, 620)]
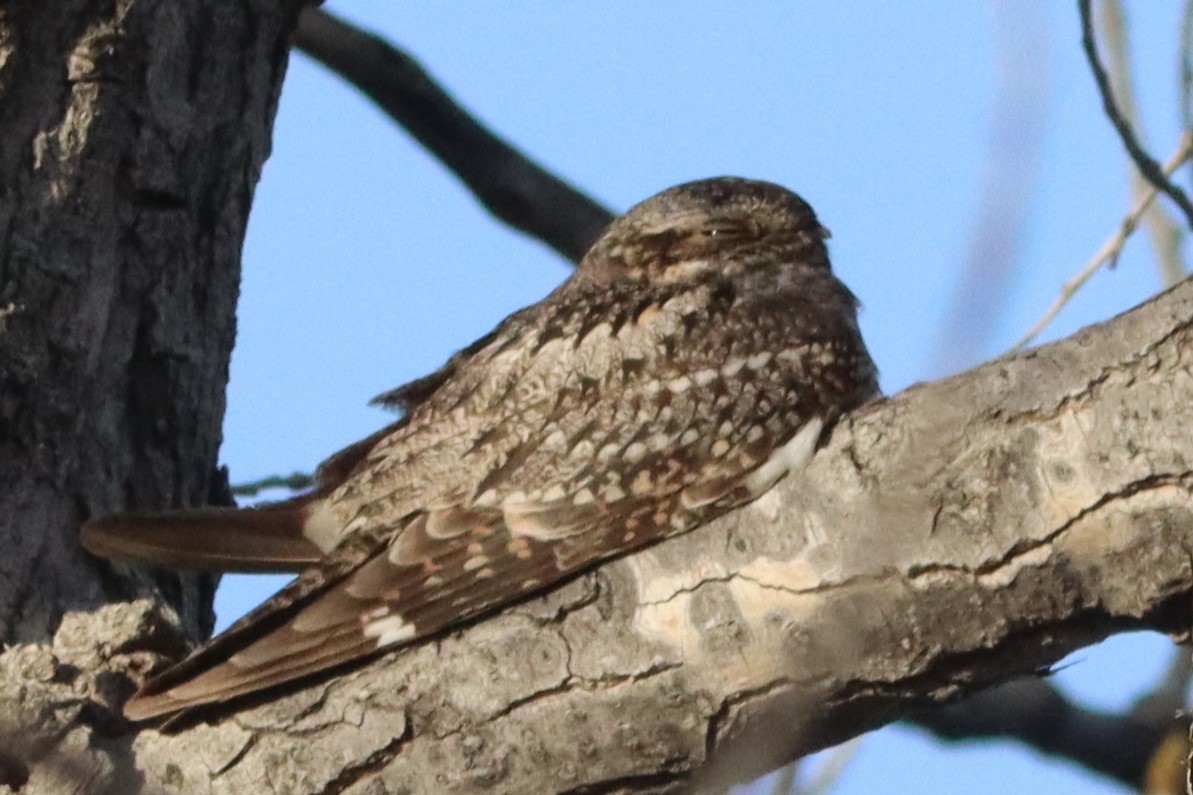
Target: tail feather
[(268, 539)]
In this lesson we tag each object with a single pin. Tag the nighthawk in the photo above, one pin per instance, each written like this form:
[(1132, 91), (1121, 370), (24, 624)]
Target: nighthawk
[(695, 357)]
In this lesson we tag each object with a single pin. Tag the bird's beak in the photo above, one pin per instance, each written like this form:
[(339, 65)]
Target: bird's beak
[(825, 232)]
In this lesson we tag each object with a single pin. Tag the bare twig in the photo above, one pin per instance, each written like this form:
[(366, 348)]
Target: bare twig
[(506, 181), (1164, 232), (296, 481), (1110, 250), (1148, 167)]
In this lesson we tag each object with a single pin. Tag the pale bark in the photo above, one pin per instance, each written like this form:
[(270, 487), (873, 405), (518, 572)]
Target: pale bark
[(956, 536)]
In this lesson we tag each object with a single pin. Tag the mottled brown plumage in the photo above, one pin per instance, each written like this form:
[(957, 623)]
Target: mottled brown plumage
[(693, 358)]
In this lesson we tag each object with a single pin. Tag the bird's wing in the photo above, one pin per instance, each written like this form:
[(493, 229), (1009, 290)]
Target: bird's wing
[(370, 594), (382, 589), (600, 470), (409, 396), (213, 672), (269, 538)]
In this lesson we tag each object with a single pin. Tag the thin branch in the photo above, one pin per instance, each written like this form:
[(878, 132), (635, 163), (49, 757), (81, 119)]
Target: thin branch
[(785, 780), (1170, 695), (1189, 763), (1149, 168), (1035, 713), (1110, 250), (829, 773), (507, 182), (1165, 707), (296, 481), (1164, 232)]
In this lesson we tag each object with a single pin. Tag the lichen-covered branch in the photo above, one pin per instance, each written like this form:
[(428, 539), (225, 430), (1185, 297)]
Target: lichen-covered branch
[(954, 537)]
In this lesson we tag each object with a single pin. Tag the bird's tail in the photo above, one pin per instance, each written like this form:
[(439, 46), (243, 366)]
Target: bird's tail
[(266, 539)]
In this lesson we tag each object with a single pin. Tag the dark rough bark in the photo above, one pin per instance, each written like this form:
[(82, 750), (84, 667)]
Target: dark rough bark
[(132, 134)]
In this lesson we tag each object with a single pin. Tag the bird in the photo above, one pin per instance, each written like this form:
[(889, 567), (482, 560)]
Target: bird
[(700, 351)]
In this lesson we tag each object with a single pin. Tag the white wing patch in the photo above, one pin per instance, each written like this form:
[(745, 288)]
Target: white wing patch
[(388, 630), (788, 458)]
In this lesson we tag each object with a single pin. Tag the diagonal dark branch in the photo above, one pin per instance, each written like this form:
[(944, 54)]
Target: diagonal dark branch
[(507, 182), (1164, 233), (1148, 167)]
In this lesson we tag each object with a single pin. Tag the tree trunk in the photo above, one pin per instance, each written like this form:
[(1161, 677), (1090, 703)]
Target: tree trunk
[(132, 134)]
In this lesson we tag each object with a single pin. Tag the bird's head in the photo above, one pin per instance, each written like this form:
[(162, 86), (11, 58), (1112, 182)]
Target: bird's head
[(725, 224)]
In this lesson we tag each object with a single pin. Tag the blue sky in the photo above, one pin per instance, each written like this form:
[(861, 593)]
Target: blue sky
[(367, 263)]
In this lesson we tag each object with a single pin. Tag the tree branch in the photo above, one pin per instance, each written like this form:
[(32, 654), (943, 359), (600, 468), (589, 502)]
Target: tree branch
[(1164, 232), (1032, 711), (1035, 713), (960, 535), (294, 482), (1185, 72), (1109, 252), (1148, 167), (507, 182)]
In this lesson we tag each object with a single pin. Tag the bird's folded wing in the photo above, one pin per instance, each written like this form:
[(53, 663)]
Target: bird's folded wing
[(367, 595), (392, 584)]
